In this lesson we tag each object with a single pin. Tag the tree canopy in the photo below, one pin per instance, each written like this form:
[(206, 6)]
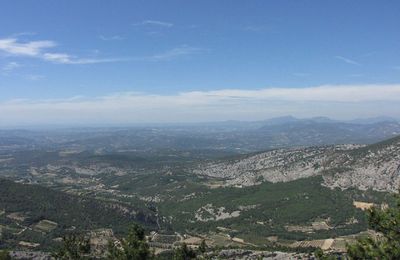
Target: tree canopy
[(386, 245), (133, 247)]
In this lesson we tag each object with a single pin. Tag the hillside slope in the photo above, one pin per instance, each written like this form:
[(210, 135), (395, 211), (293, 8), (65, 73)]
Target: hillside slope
[(374, 166), (38, 215)]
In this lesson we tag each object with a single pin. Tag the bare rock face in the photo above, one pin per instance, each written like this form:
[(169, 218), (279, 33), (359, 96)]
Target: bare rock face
[(372, 167), (375, 166)]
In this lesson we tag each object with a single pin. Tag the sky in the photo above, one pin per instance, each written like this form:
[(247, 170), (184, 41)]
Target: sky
[(123, 62)]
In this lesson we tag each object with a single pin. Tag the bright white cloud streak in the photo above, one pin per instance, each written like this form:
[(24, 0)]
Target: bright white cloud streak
[(155, 22), (40, 49), (347, 101)]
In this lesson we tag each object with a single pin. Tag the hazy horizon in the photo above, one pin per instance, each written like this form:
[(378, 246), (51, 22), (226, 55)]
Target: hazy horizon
[(61, 126), (130, 63), (199, 129)]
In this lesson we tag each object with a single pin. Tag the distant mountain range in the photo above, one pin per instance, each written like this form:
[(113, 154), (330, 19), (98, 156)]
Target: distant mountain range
[(321, 119), (230, 136), (325, 131)]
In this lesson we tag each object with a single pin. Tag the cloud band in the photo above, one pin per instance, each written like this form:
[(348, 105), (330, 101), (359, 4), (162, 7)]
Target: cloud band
[(345, 101)]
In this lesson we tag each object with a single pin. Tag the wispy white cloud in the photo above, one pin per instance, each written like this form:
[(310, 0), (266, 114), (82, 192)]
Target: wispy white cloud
[(328, 93), (111, 38), (155, 23), (335, 101), (34, 77), (347, 60), (10, 66), (64, 58), (174, 53), (34, 48), (16, 35), (40, 50)]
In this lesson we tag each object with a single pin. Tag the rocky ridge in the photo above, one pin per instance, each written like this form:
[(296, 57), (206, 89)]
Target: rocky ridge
[(374, 166)]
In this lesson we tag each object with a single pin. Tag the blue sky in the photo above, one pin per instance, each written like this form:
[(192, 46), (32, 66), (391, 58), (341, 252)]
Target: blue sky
[(54, 53)]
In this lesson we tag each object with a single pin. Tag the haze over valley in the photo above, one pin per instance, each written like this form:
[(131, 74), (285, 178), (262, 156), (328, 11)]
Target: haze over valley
[(137, 130)]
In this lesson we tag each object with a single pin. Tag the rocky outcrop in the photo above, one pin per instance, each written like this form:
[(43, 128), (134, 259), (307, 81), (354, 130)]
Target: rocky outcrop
[(375, 166)]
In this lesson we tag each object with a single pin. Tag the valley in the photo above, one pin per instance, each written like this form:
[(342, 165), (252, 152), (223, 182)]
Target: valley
[(291, 199)]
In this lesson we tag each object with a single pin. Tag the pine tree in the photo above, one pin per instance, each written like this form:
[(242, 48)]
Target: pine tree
[(203, 247), (5, 255), (387, 245), (74, 247), (133, 247), (184, 253)]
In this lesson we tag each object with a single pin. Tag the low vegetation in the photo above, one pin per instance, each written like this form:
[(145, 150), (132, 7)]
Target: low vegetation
[(384, 244)]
